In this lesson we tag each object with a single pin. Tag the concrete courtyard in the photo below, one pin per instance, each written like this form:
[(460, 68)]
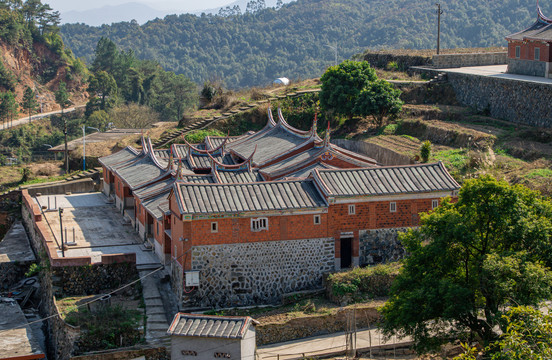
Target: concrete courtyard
[(498, 71), (92, 227)]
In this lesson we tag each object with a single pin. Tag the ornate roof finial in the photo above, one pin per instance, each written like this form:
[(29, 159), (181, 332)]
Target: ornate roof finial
[(327, 136), (314, 128)]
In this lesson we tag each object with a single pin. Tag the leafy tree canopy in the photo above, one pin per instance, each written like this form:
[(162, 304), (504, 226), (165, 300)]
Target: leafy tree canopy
[(378, 99), (471, 259), (342, 84)]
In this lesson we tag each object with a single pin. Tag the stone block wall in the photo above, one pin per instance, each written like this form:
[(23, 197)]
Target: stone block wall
[(443, 61), (379, 153), (259, 273), (380, 246), (527, 67)]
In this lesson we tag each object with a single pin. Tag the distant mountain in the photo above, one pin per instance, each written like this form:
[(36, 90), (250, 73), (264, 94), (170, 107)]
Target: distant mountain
[(242, 4), (254, 49), (113, 14)]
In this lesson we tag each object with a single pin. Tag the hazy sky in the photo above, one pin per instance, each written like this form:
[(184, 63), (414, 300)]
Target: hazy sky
[(179, 5)]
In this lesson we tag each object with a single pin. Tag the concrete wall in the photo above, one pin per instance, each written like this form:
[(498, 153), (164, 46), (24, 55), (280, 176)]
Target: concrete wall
[(527, 67), (380, 246), (382, 155), (255, 273), (443, 61), (77, 186), (197, 348)]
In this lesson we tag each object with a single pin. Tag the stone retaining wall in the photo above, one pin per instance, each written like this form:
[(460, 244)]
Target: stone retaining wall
[(517, 101), (443, 61), (527, 67), (380, 246), (379, 153), (314, 325), (260, 272)]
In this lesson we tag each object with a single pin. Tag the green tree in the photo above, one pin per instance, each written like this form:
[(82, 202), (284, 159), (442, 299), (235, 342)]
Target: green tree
[(8, 107), (102, 85), (29, 102), (469, 260), (528, 336), (105, 56), (342, 84), (380, 100)]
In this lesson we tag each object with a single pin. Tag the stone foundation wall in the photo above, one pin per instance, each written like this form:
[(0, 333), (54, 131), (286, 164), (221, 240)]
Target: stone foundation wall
[(512, 100), (380, 246), (379, 153), (259, 273), (476, 59), (527, 67)]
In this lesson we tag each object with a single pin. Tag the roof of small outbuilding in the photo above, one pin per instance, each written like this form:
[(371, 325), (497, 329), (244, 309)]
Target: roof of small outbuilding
[(225, 327)]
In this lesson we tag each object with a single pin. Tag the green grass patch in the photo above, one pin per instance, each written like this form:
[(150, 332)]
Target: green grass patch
[(361, 283), (543, 173), (390, 129), (454, 159), (198, 136), (107, 328)]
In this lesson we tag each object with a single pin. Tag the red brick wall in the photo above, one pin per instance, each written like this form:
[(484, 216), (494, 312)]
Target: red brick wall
[(527, 50)]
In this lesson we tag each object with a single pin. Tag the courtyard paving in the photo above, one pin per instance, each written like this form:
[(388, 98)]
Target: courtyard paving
[(93, 227), (498, 71)]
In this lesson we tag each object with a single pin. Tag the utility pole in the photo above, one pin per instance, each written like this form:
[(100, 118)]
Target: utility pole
[(65, 133), (439, 12), (61, 230)]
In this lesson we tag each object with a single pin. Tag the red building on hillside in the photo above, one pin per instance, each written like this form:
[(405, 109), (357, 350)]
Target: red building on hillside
[(529, 51), (245, 220)]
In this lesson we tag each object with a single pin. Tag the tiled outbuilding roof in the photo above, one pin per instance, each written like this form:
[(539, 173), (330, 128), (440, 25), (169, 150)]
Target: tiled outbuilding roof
[(236, 198), (540, 30), (153, 204), (226, 327), (141, 172), (125, 155), (306, 171), (388, 180)]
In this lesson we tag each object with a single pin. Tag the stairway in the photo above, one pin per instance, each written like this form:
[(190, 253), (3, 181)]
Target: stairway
[(156, 322)]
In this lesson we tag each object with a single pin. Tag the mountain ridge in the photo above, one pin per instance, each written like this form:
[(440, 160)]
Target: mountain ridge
[(254, 49)]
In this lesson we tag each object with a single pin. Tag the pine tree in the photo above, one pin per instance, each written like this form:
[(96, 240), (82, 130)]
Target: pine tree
[(29, 102)]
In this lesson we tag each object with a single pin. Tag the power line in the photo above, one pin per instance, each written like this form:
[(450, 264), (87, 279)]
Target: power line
[(94, 300)]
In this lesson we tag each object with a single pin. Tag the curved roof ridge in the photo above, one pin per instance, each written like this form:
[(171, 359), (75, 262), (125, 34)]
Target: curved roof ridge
[(217, 164), (270, 124), (206, 151), (154, 158), (541, 16), (293, 130)]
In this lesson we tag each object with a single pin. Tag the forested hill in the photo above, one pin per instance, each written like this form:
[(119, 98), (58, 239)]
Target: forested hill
[(257, 47)]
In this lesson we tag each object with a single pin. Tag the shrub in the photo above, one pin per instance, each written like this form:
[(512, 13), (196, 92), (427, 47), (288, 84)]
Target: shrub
[(365, 282), (425, 151), (198, 136)]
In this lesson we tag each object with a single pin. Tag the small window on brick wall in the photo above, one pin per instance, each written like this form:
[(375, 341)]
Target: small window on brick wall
[(518, 51), (259, 224), (316, 219), (352, 209), (393, 207), (434, 204), (214, 227), (537, 53)]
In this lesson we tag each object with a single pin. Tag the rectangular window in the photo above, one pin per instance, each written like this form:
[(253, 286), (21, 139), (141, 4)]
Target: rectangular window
[(316, 219), (259, 224), (537, 53), (518, 51), (393, 207), (352, 209), (434, 204), (157, 229), (214, 227)]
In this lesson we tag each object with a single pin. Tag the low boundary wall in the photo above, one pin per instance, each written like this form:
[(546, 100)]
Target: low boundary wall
[(379, 153), (474, 59)]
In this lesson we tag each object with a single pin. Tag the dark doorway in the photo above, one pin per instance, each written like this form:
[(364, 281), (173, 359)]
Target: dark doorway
[(346, 252)]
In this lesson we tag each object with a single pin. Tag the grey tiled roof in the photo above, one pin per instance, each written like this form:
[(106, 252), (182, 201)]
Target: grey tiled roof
[(141, 172), (301, 158), (204, 162), (306, 171), (154, 188), (227, 327), (270, 144), (229, 177), (152, 204), (235, 198), (388, 180), (539, 30), (125, 155)]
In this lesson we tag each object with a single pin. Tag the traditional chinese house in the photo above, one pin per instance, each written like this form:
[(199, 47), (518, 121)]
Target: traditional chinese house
[(244, 220)]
